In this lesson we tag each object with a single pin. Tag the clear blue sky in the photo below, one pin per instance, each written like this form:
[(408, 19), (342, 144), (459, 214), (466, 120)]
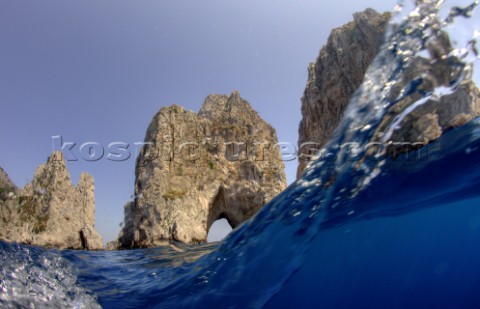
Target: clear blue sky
[(98, 70)]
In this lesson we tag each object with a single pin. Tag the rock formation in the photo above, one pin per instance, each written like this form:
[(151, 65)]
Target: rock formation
[(112, 245), (339, 71), (335, 76), (219, 163), (50, 211)]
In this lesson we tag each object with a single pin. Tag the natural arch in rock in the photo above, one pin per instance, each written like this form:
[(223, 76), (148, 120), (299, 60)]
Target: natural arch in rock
[(217, 208)]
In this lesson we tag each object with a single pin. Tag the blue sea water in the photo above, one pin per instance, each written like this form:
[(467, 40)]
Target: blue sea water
[(369, 231)]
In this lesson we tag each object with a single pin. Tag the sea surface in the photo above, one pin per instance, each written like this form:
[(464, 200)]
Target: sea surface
[(361, 229)]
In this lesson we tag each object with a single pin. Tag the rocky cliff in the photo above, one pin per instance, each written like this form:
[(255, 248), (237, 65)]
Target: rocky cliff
[(50, 211), (197, 168), (335, 76), (339, 71)]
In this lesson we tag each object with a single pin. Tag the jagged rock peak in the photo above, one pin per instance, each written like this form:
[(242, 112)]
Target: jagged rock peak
[(216, 105), (219, 163), (51, 212), (213, 104), (53, 174)]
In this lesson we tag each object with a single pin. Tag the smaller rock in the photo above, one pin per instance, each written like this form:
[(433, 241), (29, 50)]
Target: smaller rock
[(112, 245), (50, 211)]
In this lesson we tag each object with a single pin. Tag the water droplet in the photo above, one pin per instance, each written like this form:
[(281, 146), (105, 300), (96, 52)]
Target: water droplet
[(366, 128), (296, 213)]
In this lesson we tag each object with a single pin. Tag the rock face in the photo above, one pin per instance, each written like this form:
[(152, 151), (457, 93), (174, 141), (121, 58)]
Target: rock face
[(50, 211), (335, 76), (339, 71), (219, 163)]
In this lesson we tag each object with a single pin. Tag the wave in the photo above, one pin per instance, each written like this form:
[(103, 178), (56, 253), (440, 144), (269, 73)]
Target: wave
[(31, 277)]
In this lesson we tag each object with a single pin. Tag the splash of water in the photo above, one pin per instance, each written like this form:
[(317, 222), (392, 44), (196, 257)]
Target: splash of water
[(35, 278), (417, 31)]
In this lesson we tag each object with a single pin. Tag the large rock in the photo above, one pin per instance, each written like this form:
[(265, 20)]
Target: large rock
[(339, 71), (335, 76), (50, 211), (219, 163)]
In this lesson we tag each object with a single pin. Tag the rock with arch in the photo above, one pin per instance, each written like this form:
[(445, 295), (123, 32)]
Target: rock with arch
[(194, 169)]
